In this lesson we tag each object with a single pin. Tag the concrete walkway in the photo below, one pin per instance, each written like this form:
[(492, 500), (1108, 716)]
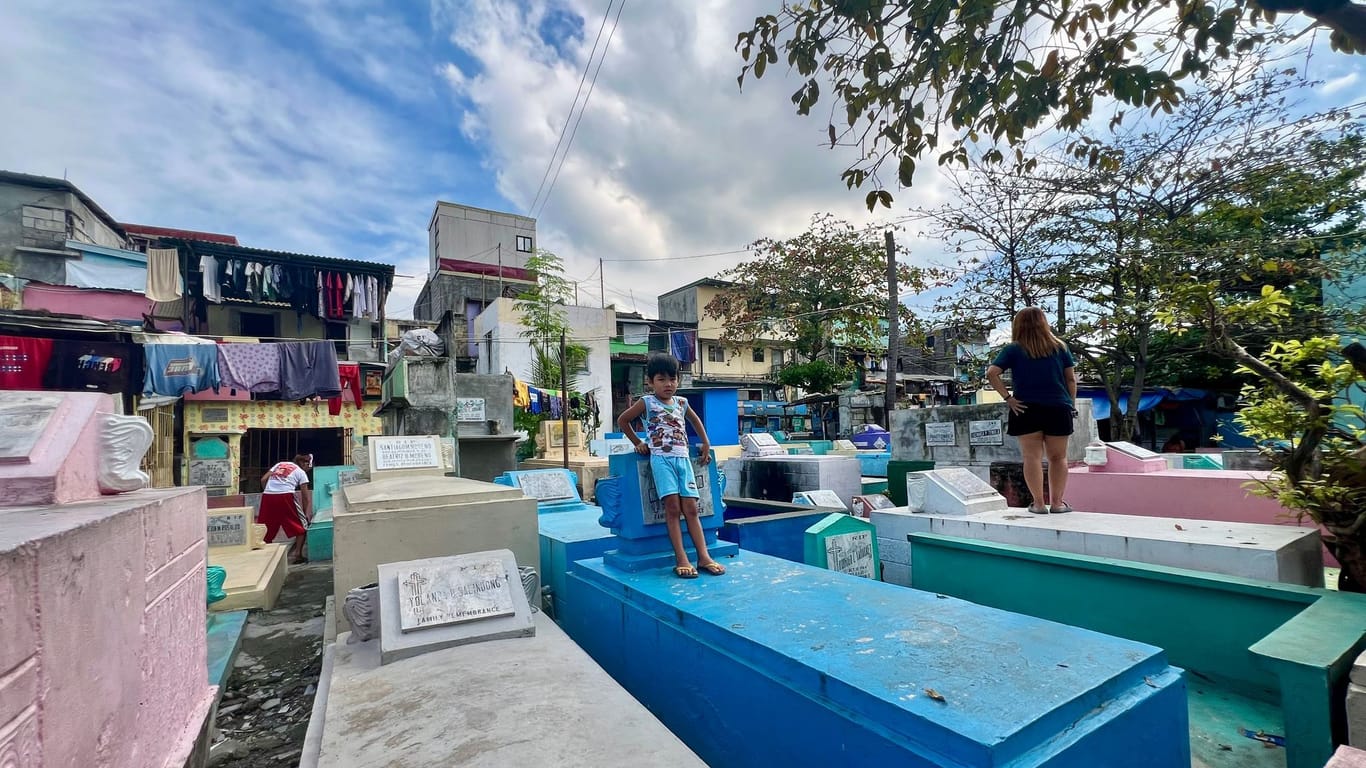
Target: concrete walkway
[(264, 712)]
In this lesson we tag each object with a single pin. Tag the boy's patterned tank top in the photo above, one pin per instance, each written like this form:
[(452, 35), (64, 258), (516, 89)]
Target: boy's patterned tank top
[(665, 426)]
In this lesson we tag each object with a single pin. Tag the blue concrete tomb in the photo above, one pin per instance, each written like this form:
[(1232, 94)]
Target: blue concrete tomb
[(843, 543), (632, 510), (782, 663), (568, 527)]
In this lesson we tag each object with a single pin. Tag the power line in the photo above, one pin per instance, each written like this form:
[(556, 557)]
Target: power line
[(586, 65), (582, 109)]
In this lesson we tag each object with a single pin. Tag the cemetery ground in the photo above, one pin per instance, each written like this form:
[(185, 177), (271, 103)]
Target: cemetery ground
[(264, 712)]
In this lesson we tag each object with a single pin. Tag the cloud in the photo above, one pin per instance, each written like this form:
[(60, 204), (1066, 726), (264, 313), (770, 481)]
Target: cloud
[(670, 158), (261, 124), (332, 127), (1339, 83)]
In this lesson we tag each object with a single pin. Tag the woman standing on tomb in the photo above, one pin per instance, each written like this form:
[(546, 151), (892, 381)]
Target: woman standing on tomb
[(1043, 405), (287, 504)]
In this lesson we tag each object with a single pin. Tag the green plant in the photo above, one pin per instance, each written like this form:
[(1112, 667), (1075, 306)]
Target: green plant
[(1297, 411), (814, 376)]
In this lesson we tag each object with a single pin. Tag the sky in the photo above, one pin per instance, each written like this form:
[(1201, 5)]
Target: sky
[(332, 127)]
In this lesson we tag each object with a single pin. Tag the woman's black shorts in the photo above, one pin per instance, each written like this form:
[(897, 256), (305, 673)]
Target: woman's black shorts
[(1052, 420)]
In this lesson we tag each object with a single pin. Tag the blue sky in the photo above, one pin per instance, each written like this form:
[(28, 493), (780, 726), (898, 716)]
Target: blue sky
[(332, 127)]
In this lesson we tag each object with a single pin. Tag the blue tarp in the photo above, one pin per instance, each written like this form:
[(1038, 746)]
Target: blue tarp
[(1100, 403)]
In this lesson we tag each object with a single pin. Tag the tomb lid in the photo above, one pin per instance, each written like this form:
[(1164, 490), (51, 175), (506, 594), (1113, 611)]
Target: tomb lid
[(546, 484), (1136, 451), (963, 483), (409, 491), (24, 418)]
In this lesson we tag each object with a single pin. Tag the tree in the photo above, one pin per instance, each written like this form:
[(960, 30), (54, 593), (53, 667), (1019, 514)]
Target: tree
[(1232, 178), (813, 376), (1295, 408), (920, 76), (826, 283), (543, 314)]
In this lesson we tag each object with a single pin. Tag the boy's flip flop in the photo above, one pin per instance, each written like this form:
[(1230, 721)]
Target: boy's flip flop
[(713, 568), (685, 572)]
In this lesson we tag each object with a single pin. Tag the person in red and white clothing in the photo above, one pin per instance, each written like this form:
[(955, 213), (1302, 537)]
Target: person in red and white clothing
[(287, 504)]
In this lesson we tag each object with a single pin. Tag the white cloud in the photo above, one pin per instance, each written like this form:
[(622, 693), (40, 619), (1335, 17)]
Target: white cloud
[(1339, 83), (670, 159), (185, 116)]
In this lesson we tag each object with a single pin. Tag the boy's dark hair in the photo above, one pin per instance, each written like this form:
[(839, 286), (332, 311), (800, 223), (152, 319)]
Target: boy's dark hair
[(661, 363)]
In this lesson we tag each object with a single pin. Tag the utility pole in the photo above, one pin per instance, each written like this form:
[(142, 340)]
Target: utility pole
[(602, 285), (500, 270), (564, 405), (893, 330)]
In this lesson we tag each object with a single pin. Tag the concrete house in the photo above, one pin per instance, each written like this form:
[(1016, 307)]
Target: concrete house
[(474, 256)]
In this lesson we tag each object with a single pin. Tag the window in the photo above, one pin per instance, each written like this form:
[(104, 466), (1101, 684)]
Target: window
[(257, 324), (715, 354), (523, 244), (758, 354), (777, 357)]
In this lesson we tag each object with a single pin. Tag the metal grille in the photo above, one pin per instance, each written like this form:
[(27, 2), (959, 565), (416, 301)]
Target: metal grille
[(262, 448), (159, 462)]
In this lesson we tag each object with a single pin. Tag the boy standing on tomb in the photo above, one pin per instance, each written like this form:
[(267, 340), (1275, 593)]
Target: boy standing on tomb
[(665, 414)]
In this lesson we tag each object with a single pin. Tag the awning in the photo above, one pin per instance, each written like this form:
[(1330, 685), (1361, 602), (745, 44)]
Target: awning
[(1100, 403)]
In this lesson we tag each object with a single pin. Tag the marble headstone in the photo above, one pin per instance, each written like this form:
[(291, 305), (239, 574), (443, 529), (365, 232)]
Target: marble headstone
[(843, 543), (441, 602), (760, 444), (24, 416), (865, 504), (820, 498), (951, 491), (547, 485), (404, 453)]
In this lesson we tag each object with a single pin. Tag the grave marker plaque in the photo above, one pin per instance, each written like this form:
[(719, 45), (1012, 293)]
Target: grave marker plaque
[(851, 553), (940, 434), (987, 432), (23, 418), (547, 485), (214, 473), (653, 508), (843, 543), (389, 453), (213, 415), (819, 498), (469, 408), (228, 530), (453, 593)]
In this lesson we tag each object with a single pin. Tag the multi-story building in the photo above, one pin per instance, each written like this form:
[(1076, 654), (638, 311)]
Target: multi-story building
[(504, 348), (751, 369), (475, 256), (77, 264)]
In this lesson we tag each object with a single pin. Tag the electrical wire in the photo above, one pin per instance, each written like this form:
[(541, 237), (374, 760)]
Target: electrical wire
[(582, 109), (586, 66)]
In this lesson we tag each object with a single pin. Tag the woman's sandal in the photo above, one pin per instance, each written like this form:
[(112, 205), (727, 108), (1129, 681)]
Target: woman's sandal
[(713, 568), (685, 571)]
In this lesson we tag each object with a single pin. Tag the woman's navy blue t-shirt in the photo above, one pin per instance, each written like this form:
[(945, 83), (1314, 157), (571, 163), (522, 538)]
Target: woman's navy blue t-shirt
[(1037, 379)]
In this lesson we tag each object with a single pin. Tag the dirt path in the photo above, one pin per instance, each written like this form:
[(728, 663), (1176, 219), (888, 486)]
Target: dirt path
[(264, 712)]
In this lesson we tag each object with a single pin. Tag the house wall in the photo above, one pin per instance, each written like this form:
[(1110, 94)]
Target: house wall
[(689, 306), (474, 234), (33, 217), (498, 333), (231, 418)]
